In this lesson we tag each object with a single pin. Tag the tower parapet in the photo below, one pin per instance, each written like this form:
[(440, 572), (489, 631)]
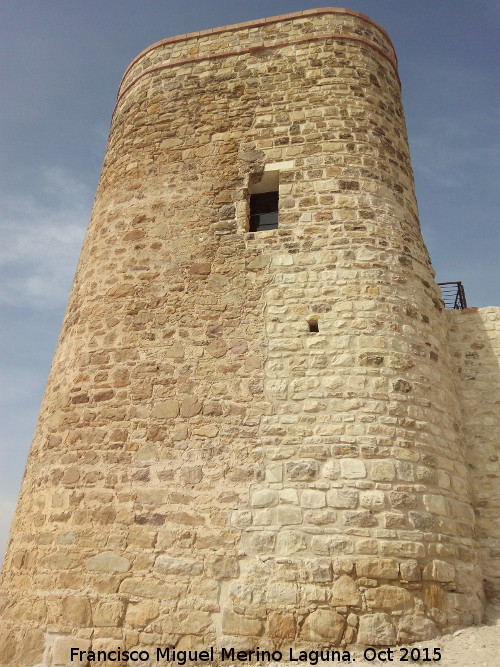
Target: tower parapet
[(249, 438)]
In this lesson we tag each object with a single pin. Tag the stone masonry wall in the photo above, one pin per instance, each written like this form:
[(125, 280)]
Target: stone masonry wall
[(475, 346), (205, 469)]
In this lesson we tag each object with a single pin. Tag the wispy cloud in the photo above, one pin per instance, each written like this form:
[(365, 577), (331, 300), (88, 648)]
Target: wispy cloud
[(453, 150), (41, 238)]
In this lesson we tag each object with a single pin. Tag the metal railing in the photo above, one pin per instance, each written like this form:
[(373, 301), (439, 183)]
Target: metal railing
[(453, 295)]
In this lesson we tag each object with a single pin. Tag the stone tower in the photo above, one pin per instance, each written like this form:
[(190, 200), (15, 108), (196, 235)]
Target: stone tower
[(249, 438)]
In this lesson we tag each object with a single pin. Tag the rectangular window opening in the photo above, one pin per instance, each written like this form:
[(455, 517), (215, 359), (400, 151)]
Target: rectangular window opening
[(264, 202)]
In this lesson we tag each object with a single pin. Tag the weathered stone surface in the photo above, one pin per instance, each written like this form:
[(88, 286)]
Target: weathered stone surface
[(323, 625), (438, 570), (225, 567), (282, 626), (190, 406), (76, 611), (166, 409), (139, 614), (383, 471), (342, 498), (197, 622), (352, 468), (108, 613), (416, 628), (376, 630), (264, 498), (379, 568), (61, 647), (107, 561), (345, 592), (234, 624), (313, 499), (178, 566), (390, 598)]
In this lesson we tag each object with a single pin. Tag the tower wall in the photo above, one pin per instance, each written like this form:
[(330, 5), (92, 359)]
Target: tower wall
[(205, 469), (474, 338)]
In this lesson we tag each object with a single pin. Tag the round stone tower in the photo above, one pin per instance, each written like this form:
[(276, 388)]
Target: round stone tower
[(248, 438)]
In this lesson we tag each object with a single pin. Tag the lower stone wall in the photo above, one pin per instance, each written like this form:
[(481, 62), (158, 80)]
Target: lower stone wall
[(474, 336)]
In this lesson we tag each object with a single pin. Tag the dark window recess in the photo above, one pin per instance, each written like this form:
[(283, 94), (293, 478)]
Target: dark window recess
[(264, 211), (313, 326)]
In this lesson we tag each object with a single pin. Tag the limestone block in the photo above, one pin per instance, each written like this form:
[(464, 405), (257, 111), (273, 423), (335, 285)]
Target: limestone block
[(320, 517), (379, 568), (108, 613), (274, 473), (286, 515), (302, 471), (290, 542), (175, 351), (196, 622), (313, 593), (401, 549), (152, 588), (263, 517), (186, 567), (391, 598), (191, 475), (258, 542), (241, 518), (323, 625), (376, 630), (422, 521), (217, 348), (166, 409), (190, 406), (311, 498), (282, 626), (264, 498), (281, 593), (59, 561), (234, 624), (352, 469), (319, 571), (435, 504), (147, 453), (139, 614), (439, 570), (416, 628), (71, 475), (383, 471), (342, 498), (107, 561), (362, 518), (225, 567), (331, 544), (372, 500), (62, 651), (345, 592), (289, 496), (410, 571), (76, 611)]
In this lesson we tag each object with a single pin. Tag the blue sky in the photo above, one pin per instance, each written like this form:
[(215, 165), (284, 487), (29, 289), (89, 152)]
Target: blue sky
[(62, 61)]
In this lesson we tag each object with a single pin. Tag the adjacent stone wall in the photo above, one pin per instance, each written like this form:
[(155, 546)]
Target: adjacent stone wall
[(475, 347), (205, 469)]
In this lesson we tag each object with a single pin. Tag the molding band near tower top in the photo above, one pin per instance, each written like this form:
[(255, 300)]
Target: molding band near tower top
[(260, 22), (259, 47), (256, 49)]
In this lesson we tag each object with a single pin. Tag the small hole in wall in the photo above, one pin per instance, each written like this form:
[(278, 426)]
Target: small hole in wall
[(313, 325)]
